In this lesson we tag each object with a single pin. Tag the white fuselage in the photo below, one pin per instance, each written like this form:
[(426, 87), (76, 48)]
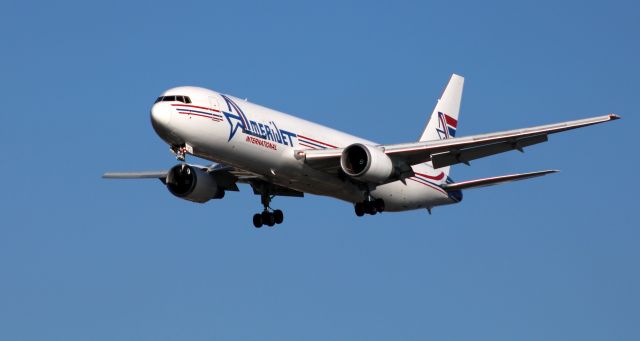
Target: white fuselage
[(235, 132)]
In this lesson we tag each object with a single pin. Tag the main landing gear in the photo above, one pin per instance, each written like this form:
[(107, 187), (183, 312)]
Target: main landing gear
[(268, 216), (369, 206)]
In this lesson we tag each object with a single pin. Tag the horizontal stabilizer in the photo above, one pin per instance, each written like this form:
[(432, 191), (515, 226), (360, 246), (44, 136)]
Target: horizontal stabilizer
[(494, 180)]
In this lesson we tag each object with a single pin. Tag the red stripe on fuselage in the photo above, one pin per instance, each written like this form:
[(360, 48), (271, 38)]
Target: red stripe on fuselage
[(195, 106), (310, 139), (190, 113), (428, 185), (306, 145), (437, 177)]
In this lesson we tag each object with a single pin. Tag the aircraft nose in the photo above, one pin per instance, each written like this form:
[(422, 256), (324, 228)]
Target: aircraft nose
[(161, 117)]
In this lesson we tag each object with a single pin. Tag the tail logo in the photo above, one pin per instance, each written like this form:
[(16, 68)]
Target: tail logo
[(446, 126)]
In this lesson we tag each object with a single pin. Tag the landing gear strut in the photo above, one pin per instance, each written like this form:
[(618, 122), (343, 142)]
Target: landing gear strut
[(369, 206), (180, 152), (268, 216)]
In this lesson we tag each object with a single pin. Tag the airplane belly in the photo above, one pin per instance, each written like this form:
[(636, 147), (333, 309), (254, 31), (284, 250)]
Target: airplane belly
[(273, 161), (411, 195)]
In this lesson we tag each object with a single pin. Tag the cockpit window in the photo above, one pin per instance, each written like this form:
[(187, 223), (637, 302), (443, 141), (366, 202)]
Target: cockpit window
[(183, 99)]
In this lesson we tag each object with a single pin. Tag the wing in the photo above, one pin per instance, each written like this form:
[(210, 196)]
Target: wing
[(259, 184), (226, 177), (456, 150)]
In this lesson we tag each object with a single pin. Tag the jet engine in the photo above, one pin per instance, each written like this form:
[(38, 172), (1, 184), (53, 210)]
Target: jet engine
[(193, 184), (366, 163)]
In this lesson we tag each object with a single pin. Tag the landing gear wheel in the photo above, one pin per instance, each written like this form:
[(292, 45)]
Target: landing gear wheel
[(379, 205), (268, 218), (278, 216), (257, 220), (359, 208), (369, 208)]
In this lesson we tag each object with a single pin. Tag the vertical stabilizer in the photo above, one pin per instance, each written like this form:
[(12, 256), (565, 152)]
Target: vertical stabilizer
[(444, 120)]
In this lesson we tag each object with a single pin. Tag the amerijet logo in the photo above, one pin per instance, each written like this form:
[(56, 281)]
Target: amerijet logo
[(256, 130), (446, 126)]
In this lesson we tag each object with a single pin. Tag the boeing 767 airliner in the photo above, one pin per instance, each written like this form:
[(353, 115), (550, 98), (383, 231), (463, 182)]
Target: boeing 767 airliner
[(282, 155)]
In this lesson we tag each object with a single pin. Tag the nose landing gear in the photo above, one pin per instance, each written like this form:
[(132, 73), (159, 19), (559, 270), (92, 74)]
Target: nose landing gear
[(180, 151), (268, 216)]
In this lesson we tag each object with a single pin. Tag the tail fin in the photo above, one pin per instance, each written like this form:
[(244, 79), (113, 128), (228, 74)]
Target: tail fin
[(444, 119)]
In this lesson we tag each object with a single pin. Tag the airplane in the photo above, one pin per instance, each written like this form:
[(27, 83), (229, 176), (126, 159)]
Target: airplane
[(281, 155)]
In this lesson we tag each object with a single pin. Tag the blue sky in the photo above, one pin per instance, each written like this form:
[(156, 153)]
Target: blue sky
[(83, 258)]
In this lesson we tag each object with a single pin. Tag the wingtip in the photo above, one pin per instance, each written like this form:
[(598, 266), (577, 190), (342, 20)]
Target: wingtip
[(614, 117), (546, 172)]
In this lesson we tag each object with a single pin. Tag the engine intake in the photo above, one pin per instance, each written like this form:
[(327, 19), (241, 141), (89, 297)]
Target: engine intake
[(366, 163), (193, 184)]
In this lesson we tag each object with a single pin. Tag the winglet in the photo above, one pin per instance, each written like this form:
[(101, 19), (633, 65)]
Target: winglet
[(613, 117)]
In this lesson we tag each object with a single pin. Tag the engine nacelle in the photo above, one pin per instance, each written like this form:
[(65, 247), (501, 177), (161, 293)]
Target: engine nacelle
[(366, 163), (193, 184)]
